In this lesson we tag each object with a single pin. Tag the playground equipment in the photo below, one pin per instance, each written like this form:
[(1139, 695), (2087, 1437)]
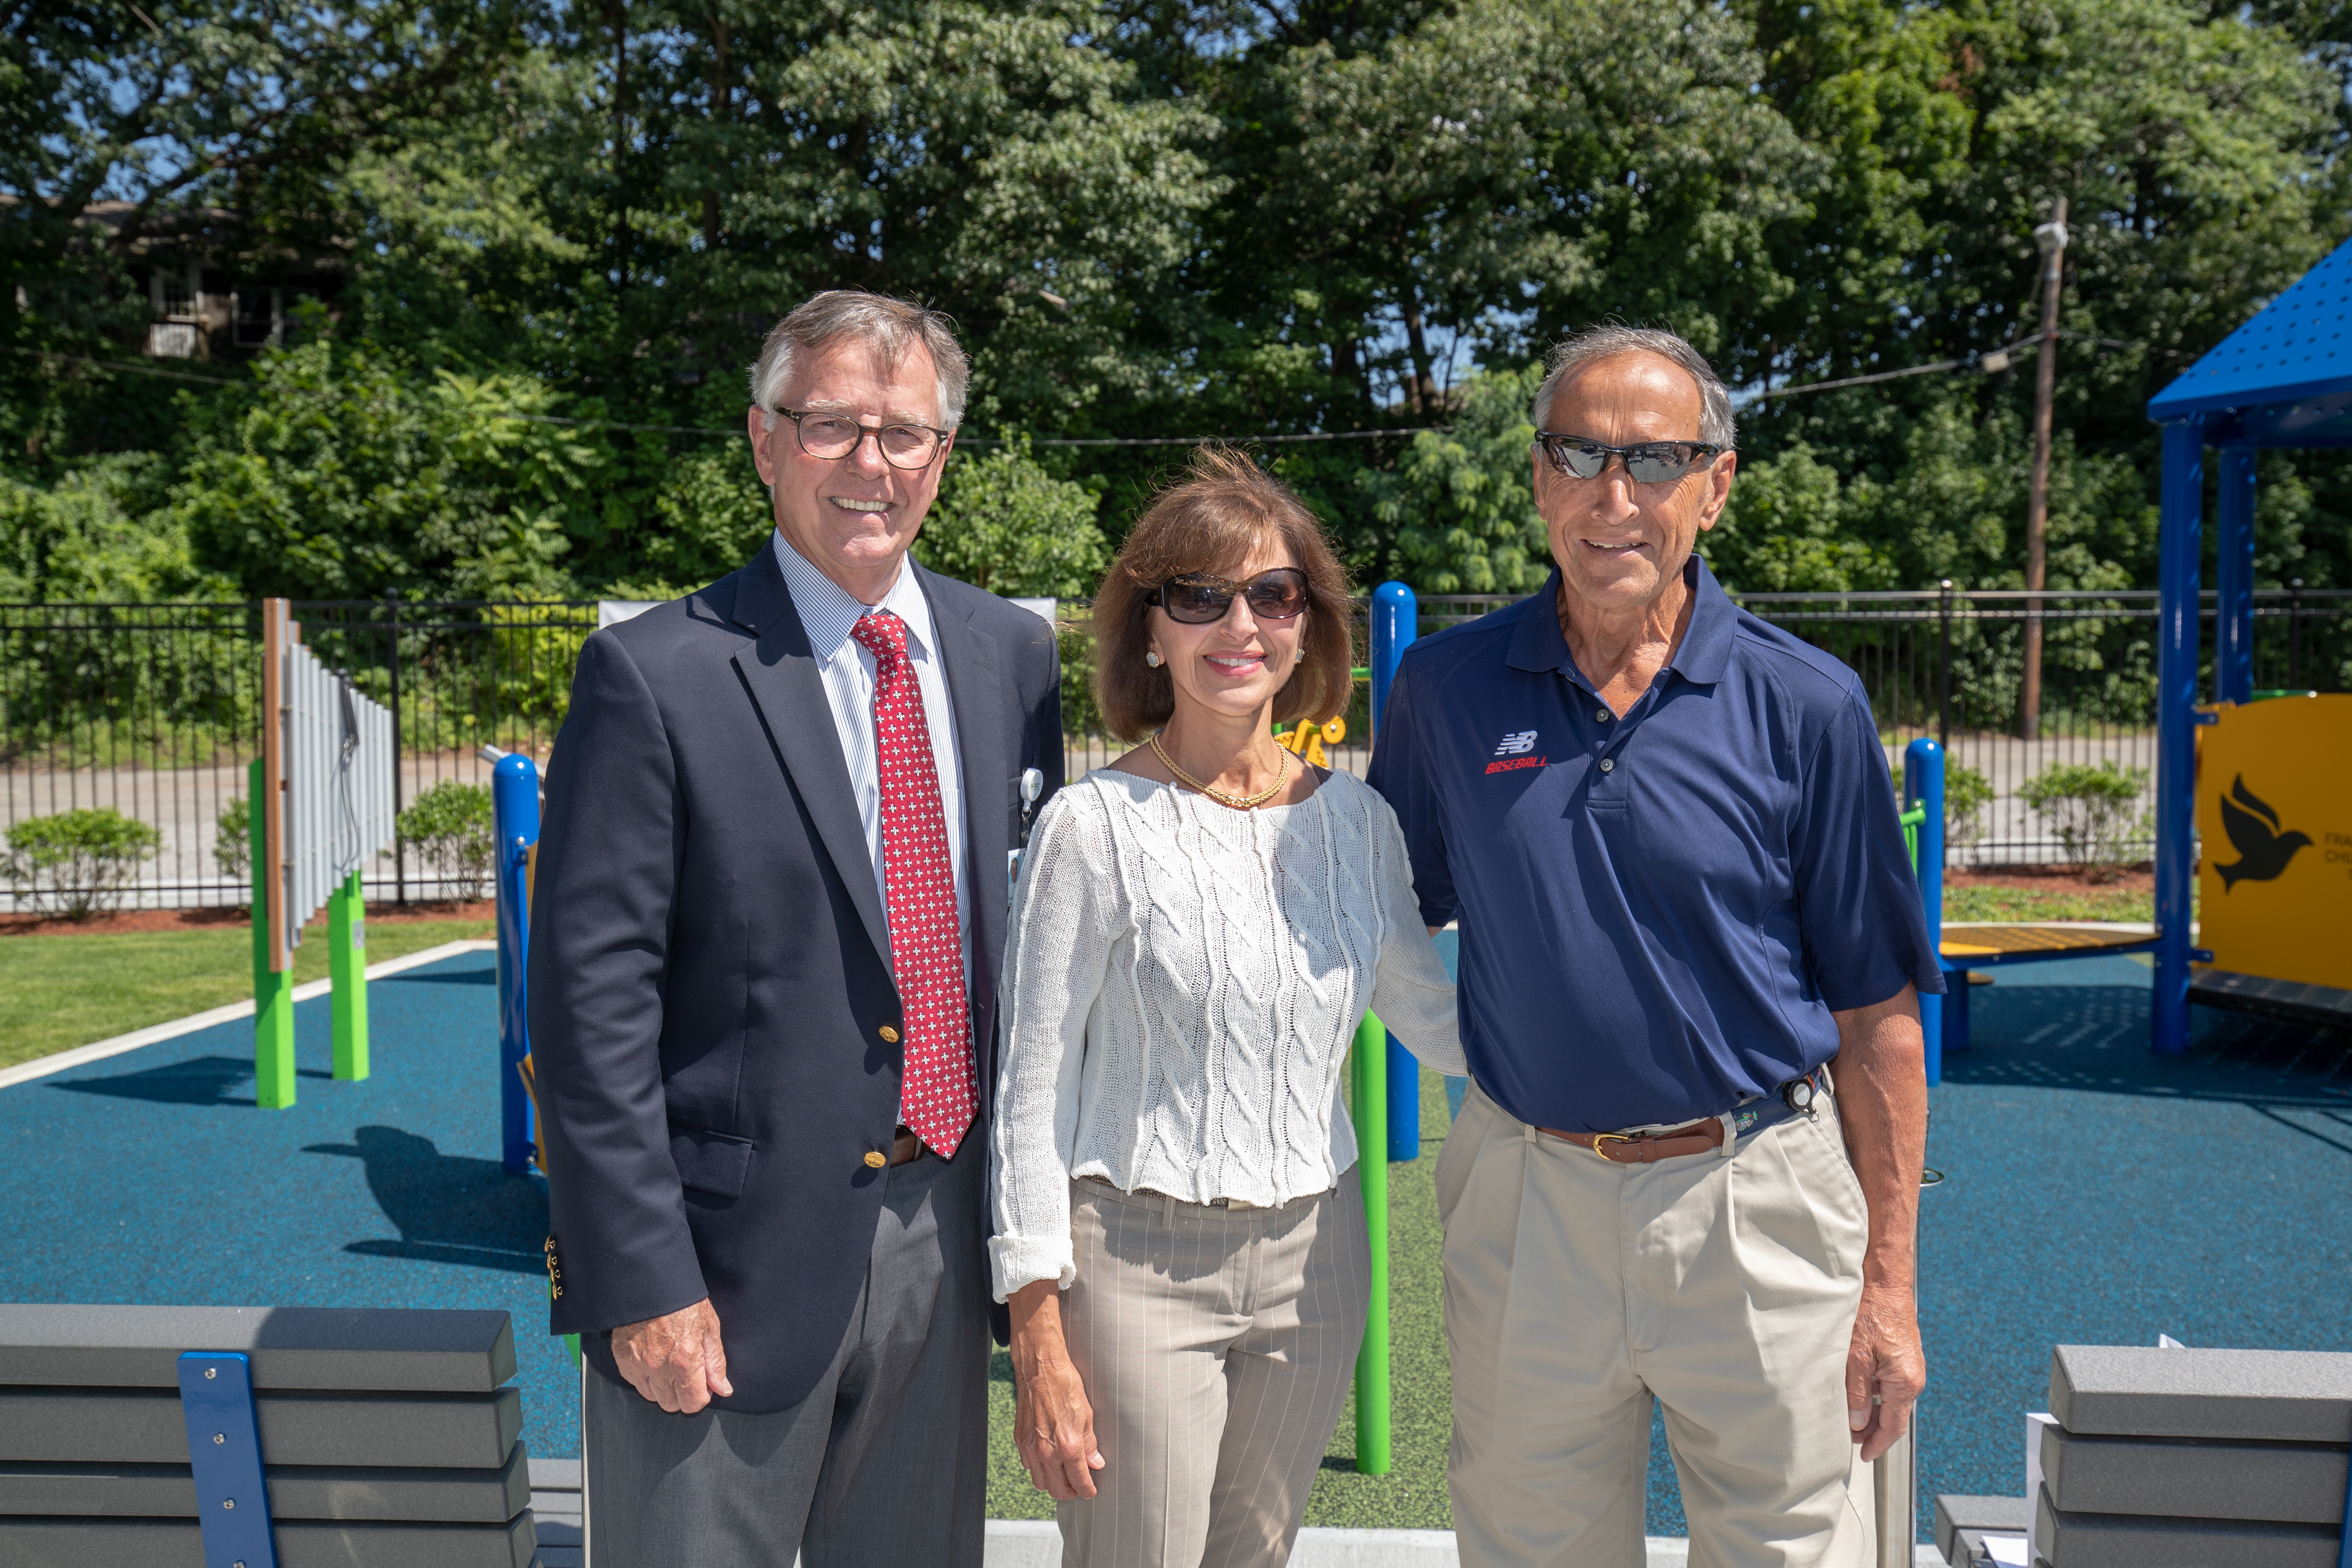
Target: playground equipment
[(2283, 380), (514, 815), (1395, 622), (1959, 949), (1307, 741), (1383, 1087), (319, 805), (2275, 883)]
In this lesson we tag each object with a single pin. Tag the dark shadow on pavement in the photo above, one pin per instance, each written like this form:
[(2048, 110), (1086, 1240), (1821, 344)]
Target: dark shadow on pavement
[(486, 975), (449, 1208), (198, 1080)]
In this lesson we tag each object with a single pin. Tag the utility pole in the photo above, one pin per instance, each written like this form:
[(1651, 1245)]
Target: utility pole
[(2051, 238)]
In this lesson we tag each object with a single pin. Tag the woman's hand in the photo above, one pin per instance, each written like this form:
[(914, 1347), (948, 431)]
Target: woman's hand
[(1053, 1425)]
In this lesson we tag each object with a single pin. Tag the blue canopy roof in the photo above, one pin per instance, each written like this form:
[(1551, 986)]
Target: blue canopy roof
[(2284, 378)]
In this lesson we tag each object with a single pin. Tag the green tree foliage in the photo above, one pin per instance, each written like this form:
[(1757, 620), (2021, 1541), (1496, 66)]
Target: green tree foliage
[(1152, 218), (336, 474), (77, 862), (1461, 504), (87, 537)]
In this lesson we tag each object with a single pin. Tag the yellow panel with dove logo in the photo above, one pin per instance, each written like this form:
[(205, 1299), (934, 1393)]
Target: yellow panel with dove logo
[(2275, 811)]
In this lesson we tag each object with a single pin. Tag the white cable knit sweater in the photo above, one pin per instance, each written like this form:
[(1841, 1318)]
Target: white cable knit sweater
[(1181, 985)]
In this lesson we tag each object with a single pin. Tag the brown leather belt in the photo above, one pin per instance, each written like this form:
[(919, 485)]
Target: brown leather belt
[(1646, 1148), (907, 1148), (1798, 1097)]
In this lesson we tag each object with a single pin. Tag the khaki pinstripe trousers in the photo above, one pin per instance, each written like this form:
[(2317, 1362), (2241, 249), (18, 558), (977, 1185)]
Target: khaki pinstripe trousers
[(1217, 1346)]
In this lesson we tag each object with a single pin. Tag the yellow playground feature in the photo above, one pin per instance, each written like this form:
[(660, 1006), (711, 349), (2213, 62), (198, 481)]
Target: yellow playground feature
[(2275, 871), (1310, 738)]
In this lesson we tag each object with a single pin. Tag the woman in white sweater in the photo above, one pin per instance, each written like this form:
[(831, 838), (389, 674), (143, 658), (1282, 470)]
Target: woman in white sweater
[(1199, 929)]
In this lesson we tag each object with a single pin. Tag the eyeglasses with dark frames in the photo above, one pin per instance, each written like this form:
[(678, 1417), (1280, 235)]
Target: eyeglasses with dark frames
[(1199, 598), (1646, 462), (835, 435)]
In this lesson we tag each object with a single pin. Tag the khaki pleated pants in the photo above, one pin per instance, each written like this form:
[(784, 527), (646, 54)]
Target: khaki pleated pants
[(1217, 1346), (1721, 1286)]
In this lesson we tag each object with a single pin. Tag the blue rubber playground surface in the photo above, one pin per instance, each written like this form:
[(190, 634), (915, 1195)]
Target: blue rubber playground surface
[(2092, 1193), (2095, 1193), (150, 1177)]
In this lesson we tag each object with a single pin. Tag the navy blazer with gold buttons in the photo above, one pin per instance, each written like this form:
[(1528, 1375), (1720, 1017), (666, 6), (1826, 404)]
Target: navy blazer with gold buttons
[(714, 1026)]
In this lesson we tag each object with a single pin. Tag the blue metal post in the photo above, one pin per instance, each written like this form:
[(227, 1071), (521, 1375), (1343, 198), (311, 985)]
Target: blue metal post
[(225, 1460), (514, 803), (2175, 717), (1923, 783), (1395, 623), (2233, 623)]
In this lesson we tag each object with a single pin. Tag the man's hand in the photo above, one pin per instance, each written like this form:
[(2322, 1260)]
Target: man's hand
[(676, 1360), (1882, 1101), (1885, 1370), (1053, 1424)]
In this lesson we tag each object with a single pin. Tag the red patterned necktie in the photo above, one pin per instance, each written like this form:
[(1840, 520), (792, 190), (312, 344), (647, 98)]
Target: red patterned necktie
[(937, 1094)]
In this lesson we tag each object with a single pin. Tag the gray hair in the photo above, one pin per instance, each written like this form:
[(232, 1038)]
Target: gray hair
[(890, 327), (1595, 344)]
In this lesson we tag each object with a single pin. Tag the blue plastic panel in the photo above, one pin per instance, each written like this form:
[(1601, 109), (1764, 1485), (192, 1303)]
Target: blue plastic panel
[(2299, 345), (224, 1452)]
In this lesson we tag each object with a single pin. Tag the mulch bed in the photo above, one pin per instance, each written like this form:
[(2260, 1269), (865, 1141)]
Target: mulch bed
[(2138, 879), (122, 922)]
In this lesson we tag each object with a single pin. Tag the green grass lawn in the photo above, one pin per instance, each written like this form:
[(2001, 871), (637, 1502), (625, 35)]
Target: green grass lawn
[(1412, 1496), (60, 992), (2065, 901)]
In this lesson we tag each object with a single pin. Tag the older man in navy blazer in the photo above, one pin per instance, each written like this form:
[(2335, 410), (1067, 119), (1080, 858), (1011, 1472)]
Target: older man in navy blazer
[(771, 902)]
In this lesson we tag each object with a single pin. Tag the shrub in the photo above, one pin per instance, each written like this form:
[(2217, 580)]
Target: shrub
[(1966, 793), (1003, 523), (233, 841), (451, 826), (78, 861), (2092, 811)]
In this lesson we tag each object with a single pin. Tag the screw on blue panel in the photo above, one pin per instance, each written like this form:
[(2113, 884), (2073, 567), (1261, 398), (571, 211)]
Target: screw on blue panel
[(225, 1460)]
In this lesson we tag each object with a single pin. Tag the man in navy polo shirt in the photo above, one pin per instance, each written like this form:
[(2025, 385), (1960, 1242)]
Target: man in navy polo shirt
[(1669, 834)]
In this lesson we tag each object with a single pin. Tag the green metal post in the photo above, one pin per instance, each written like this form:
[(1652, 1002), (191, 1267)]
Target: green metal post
[(273, 990), (1370, 1066), (347, 964)]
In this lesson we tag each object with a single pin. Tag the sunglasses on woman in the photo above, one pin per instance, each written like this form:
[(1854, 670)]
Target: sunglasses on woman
[(1197, 598), (1646, 462)]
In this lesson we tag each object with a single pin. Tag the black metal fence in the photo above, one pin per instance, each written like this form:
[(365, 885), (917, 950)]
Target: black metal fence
[(1951, 663), (153, 709)]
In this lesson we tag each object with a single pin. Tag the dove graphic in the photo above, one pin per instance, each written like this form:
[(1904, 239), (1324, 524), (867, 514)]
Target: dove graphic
[(2263, 850)]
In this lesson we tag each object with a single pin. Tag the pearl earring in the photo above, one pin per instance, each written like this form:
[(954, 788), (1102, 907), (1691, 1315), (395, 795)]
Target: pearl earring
[(1151, 658)]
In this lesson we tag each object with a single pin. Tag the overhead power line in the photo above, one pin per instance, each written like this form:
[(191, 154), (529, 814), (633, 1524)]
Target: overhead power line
[(1990, 362)]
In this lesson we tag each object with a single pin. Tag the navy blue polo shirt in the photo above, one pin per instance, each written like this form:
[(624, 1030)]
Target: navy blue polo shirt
[(1659, 912)]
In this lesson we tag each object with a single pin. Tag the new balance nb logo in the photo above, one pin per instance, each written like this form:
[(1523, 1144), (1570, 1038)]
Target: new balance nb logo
[(1517, 744)]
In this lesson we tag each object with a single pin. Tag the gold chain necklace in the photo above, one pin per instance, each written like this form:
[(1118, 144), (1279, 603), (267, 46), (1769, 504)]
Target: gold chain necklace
[(1238, 802)]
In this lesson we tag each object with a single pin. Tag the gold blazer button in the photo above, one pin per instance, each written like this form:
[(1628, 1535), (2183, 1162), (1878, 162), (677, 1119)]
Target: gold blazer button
[(889, 1036), (876, 1159)]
